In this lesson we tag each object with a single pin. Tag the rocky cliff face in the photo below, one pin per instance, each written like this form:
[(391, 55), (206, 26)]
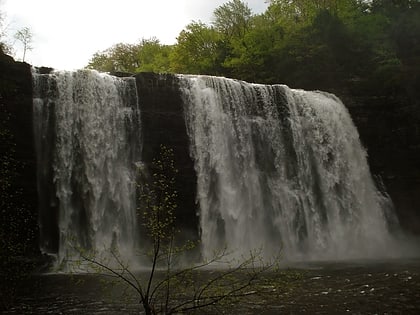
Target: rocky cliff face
[(162, 123), (389, 130), (16, 99), (16, 118)]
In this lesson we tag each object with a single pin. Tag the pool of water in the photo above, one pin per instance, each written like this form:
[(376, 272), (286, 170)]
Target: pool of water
[(357, 287)]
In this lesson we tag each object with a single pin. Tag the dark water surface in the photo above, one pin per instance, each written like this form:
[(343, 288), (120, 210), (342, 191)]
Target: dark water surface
[(372, 287)]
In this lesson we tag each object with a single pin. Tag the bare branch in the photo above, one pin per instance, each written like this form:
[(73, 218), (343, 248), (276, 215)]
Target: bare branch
[(25, 36), (116, 274)]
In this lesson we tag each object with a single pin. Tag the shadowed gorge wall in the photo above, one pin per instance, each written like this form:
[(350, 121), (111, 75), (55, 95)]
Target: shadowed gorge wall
[(16, 100), (390, 130), (162, 123), (16, 114)]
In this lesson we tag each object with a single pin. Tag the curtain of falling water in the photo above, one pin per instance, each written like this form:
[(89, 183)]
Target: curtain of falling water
[(282, 171), (87, 139)]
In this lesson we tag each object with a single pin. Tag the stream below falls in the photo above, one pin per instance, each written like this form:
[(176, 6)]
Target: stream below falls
[(356, 287)]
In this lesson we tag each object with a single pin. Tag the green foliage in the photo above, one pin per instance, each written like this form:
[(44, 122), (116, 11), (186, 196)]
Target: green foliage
[(319, 55), (232, 19), (346, 46), (147, 55), (199, 50), (250, 56), (120, 57), (153, 56), (158, 200)]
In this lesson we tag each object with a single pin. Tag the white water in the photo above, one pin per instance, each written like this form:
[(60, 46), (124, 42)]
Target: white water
[(281, 170), (278, 170), (95, 121)]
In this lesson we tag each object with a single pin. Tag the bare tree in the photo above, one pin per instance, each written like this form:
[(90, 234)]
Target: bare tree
[(25, 36), (168, 287), (4, 45)]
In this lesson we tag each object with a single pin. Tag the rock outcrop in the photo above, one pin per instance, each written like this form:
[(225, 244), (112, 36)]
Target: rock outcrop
[(16, 114), (390, 131), (162, 123)]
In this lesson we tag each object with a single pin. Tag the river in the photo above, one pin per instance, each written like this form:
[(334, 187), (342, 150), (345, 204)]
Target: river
[(355, 287)]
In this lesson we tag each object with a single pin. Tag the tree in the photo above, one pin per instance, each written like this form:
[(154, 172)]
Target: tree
[(198, 51), (249, 57), (395, 47), (25, 36), (175, 289), (147, 55), (344, 46), (118, 58), (153, 56), (203, 49), (232, 18), (4, 46)]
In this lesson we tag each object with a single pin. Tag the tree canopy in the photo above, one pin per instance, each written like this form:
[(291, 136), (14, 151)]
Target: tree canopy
[(146, 55), (351, 45)]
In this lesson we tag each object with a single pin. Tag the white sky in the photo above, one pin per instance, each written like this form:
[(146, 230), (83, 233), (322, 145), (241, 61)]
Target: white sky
[(68, 32)]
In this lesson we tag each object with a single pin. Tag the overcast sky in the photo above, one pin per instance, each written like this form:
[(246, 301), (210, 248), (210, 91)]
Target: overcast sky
[(68, 32)]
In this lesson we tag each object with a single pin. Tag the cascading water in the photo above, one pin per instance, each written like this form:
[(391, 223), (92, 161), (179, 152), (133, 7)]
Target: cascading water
[(281, 170), (87, 139)]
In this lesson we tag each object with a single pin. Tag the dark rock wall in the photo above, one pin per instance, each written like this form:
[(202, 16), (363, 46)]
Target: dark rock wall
[(162, 123), (16, 94), (389, 129), (16, 109)]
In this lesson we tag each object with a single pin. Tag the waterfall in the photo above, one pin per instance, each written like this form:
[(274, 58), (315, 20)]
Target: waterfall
[(281, 170), (87, 141), (278, 170)]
